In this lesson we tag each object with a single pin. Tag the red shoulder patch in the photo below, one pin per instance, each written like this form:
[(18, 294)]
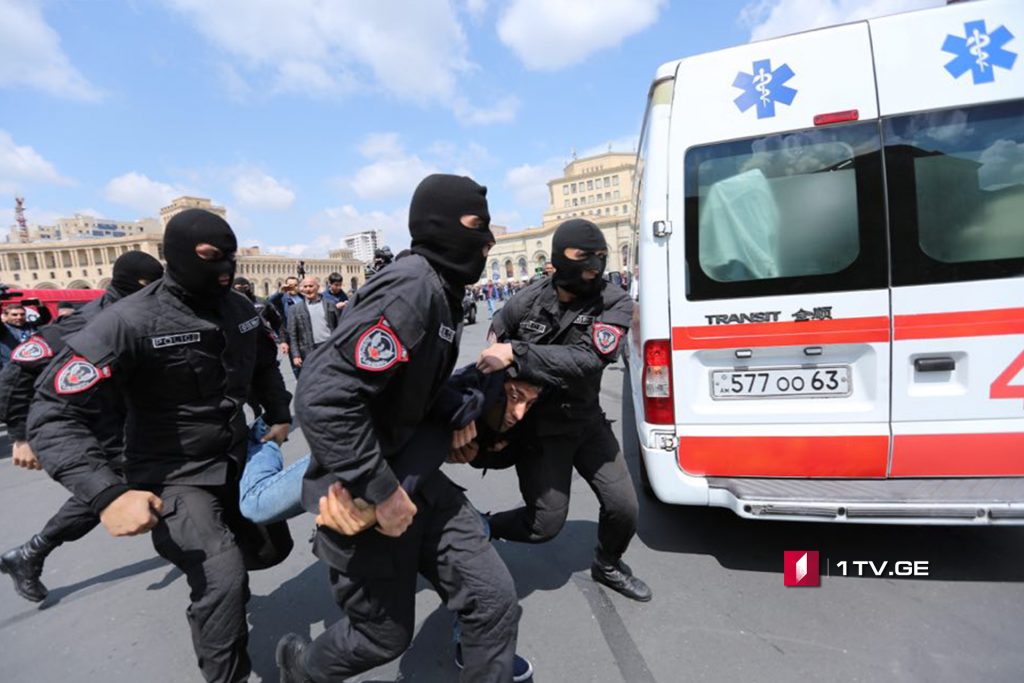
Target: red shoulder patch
[(78, 375), (32, 349), (378, 348), (606, 338)]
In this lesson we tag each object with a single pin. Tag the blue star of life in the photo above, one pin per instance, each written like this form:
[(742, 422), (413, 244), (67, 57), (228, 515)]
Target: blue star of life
[(979, 52), (764, 88)]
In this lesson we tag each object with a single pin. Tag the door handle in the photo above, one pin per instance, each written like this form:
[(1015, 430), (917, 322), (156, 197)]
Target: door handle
[(939, 364)]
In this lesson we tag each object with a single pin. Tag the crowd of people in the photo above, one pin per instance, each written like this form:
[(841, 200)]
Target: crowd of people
[(161, 407)]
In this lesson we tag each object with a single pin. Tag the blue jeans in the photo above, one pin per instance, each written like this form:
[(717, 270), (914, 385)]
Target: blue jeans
[(269, 492)]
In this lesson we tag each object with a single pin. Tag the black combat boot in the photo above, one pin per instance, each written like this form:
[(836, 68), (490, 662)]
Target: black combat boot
[(24, 564), (617, 575), (290, 658)]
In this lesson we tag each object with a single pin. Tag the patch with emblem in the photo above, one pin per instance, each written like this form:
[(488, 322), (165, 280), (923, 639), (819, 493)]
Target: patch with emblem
[(534, 326), (78, 375), (447, 333), (606, 338), (176, 339), (378, 348), (249, 325), (33, 349), (583, 320)]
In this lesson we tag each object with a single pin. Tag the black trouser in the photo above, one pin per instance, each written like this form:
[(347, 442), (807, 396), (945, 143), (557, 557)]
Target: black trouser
[(203, 534), (373, 578), (544, 466), (74, 520)]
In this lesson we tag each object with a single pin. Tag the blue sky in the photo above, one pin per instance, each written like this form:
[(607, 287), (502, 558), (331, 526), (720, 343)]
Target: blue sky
[(310, 119)]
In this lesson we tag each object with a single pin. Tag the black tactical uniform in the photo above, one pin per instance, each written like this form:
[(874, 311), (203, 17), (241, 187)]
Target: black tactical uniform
[(185, 353), (75, 518), (568, 345), (361, 397)]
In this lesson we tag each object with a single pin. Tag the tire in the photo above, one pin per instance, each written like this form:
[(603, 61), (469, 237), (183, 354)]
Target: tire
[(471, 318)]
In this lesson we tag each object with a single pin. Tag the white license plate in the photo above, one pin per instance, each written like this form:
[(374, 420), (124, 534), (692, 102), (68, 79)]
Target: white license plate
[(781, 382)]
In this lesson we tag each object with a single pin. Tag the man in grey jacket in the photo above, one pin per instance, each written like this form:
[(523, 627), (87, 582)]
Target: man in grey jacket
[(310, 323)]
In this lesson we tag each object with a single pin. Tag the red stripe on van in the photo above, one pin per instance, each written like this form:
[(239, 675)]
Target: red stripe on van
[(808, 333), (960, 324), (958, 455), (784, 456)]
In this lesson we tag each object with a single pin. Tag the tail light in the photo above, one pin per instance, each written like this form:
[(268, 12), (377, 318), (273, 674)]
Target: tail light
[(658, 382), (836, 117)]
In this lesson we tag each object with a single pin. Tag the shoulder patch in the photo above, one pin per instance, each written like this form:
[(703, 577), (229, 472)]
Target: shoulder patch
[(606, 338), (176, 339), (446, 333), (378, 348), (33, 349), (249, 325), (534, 326), (583, 320), (78, 375)]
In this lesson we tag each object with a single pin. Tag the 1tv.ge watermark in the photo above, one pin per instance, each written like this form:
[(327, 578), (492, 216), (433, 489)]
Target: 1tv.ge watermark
[(803, 568)]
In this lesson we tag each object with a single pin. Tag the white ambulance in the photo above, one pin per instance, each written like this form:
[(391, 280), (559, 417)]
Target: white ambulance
[(830, 246)]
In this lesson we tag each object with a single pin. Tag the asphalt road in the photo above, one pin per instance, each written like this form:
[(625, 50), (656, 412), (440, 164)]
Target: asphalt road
[(116, 612)]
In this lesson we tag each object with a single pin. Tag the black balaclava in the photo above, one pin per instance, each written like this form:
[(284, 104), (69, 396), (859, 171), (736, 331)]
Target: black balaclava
[(579, 234), (131, 267), (246, 288), (438, 204), (196, 276)]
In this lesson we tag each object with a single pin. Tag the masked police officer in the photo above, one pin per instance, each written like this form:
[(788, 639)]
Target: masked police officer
[(24, 564), (564, 331), (185, 354), (361, 397)]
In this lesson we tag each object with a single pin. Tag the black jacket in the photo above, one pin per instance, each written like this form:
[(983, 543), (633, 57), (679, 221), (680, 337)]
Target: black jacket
[(184, 376), (31, 358), (362, 395), (300, 327), (565, 346)]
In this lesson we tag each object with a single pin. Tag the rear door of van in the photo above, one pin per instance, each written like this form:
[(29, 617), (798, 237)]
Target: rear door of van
[(951, 93), (781, 325)]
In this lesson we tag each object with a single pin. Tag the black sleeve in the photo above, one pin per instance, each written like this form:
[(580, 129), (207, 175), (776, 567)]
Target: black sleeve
[(64, 408), (16, 380), (506, 321), (268, 388), (335, 393), (292, 335), (554, 364)]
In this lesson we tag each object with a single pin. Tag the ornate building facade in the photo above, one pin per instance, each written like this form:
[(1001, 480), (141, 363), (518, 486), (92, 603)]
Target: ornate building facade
[(598, 188)]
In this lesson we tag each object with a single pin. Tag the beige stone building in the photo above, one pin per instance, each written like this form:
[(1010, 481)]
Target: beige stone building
[(79, 253), (598, 188), (182, 203)]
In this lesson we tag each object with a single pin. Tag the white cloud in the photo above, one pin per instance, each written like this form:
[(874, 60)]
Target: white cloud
[(382, 146), (256, 190), (548, 35), (392, 173), (20, 164), (328, 47), (502, 111), (141, 193), (30, 54), (528, 184), (772, 18), (332, 224), (476, 8)]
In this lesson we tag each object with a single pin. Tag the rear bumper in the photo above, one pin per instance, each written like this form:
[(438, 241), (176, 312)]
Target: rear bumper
[(947, 501)]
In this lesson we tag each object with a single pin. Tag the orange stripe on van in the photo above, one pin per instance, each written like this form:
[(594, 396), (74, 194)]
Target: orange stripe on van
[(960, 324), (809, 333), (958, 455), (784, 456)]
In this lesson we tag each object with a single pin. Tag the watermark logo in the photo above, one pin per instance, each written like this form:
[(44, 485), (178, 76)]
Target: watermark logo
[(801, 568)]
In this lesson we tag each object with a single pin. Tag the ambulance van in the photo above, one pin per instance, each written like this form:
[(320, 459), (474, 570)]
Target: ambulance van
[(830, 251)]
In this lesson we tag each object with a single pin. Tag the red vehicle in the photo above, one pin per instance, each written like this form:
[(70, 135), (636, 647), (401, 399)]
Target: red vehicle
[(33, 298)]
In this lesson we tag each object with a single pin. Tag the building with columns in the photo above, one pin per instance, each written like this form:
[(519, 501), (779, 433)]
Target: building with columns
[(598, 188), (76, 256)]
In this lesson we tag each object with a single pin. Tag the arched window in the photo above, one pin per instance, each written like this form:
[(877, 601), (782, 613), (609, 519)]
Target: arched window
[(624, 263), (509, 272), (495, 272), (523, 267)]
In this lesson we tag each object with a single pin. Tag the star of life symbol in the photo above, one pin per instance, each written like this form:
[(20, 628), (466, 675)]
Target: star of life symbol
[(979, 52), (764, 88)]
